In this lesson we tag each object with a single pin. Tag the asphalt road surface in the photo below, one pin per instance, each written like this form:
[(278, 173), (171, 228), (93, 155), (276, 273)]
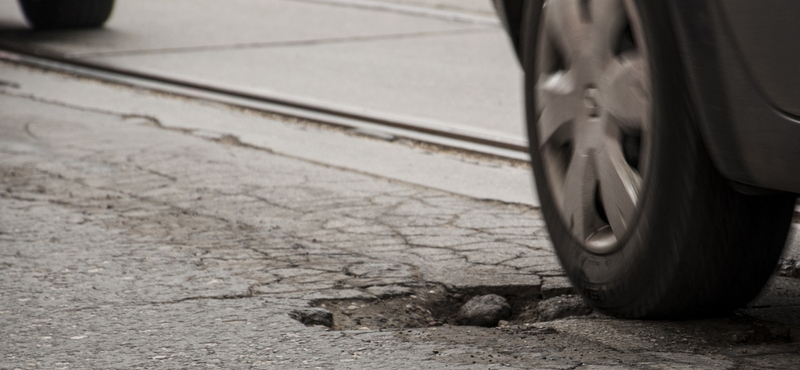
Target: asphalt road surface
[(144, 230), (443, 61), (140, 229)]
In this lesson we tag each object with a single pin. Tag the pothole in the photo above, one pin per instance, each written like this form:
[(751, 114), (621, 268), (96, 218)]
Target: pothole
[(430, 306), (420, 307)]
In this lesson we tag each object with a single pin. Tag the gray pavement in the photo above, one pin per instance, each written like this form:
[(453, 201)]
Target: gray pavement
[(143, 230), (383, 60)]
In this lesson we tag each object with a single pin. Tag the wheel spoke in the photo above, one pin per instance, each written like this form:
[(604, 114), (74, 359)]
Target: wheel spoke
[(557, 102), (563, 24), (619, 187), (626, 93), (607, 21), (577, 199), (635, 22)]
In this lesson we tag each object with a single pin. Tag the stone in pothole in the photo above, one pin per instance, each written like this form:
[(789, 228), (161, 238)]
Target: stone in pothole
[(486, 310), (313, 316), (561, 307)]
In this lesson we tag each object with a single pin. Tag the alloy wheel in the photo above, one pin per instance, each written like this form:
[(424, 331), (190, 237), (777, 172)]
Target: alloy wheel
[(593, 104)]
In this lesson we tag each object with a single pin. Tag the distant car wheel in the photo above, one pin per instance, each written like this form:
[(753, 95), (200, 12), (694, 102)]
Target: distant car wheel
[(643, 223), (50, 14)]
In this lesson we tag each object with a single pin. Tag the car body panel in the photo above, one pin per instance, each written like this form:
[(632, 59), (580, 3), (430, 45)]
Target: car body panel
[(745, 110), (750, 140), (766, 34)]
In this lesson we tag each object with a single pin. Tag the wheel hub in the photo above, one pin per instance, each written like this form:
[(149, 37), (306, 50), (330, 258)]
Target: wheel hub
[(590, 100)]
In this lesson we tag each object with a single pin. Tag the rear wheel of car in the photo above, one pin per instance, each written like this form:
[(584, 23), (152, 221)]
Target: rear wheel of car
[(643, 223), (50, 14)]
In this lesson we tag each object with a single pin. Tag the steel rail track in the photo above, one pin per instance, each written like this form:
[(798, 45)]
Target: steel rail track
[(371, 124), (363, 121)]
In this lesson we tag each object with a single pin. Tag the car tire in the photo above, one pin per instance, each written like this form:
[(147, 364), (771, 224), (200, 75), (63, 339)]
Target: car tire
[(642, 222), (52, 14)]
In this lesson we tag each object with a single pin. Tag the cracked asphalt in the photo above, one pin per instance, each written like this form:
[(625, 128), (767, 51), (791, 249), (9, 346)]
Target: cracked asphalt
[(131, 238)]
